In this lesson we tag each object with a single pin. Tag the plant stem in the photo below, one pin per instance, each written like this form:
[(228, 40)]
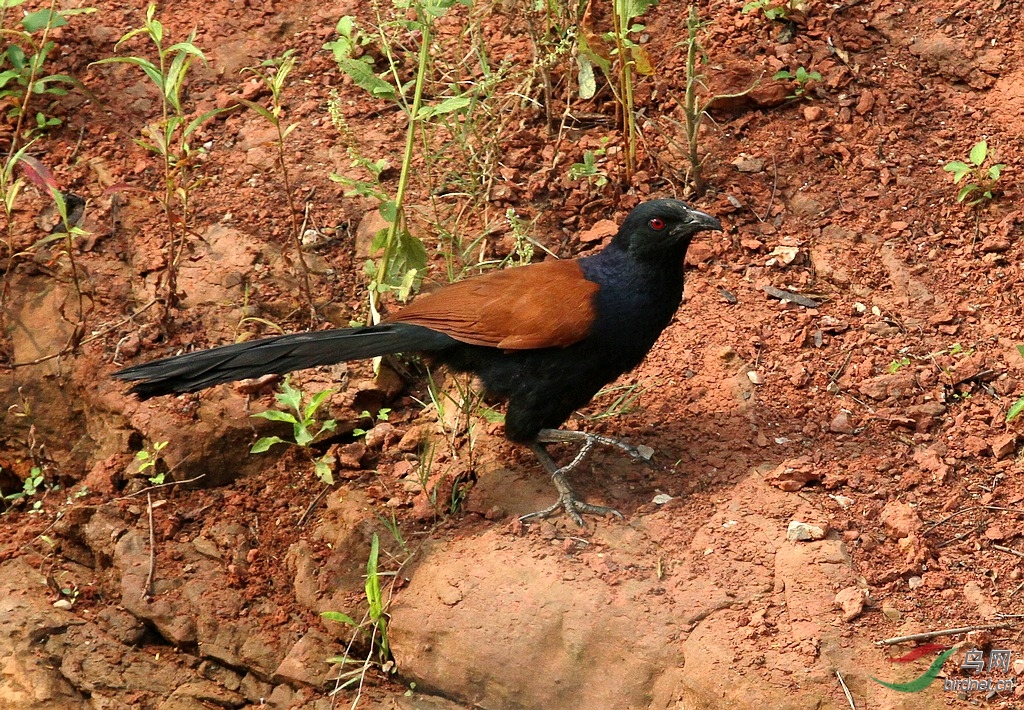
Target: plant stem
[(31, 81), (690, 108), (403, 178), (293, 219), (625, 89)]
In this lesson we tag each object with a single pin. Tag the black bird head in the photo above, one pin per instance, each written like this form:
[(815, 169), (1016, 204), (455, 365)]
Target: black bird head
[(661, 229)]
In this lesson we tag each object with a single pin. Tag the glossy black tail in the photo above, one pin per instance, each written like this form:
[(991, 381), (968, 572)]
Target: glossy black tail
[(277, 355)]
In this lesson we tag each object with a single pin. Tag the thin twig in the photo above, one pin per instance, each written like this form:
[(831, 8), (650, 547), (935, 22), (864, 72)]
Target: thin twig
[(944, 632), (95, 336), (1009, 550), (161, 485), (948, 518), (147, 591), (313, 505), (960, 537), (846, 691)]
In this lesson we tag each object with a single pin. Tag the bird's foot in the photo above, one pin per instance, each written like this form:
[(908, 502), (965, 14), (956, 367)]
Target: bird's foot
[(563, 436), (568, 502)]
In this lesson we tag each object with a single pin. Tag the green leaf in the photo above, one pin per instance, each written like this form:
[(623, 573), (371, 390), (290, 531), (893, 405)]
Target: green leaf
[(389, 211), (265, 443), (322, 469), (965, 191), (338, 617), (995, 171), (585, 77), (782, 74), (289, 396), (1016, 409), (316, 401), (276, 415), (923, 681), (449, 105), (958, 168), (362, 74), (1020, 350), (372, 587), (302, 436), (346, 26), (979, 152), (203, 118), (35, 21)]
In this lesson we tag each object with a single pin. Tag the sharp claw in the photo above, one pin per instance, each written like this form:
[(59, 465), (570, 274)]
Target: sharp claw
[(572, 505)]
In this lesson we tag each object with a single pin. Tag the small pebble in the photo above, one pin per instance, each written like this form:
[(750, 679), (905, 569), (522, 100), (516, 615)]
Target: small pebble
[(799, 532)]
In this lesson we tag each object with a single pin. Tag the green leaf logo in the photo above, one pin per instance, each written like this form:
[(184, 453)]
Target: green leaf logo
[(922, 681)]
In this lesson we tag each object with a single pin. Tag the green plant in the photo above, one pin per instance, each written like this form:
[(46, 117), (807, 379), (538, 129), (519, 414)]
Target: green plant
[(623, 402), (274, 73), (1017, 407), (775, 10), (981, 180), (376, 618), (302, 418), (801, 76), (694, 109), (147, 462), (621, 63), (21, 65), (168, 137), (588, 169), (30, 486), (381, 416), (403, 257), (897, 365), (523, 249)]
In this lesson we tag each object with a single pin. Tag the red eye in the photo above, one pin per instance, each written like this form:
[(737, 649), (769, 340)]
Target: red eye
[(657, 224)]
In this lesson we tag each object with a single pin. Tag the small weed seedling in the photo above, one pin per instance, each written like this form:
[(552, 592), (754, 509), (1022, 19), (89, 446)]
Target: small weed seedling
[(22, 56), (32, 485), (376, 617), (801, 76), (1017, 407), (621, 63), (693, 108), (981, 181), (168, 137), (775, 10), (274, 73), (147, 462), (382, 416), (897, 365), (303, 421), (588, 168)]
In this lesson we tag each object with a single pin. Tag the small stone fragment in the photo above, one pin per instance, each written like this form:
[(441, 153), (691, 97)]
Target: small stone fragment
[(793, 474), (801, 532), (900, 520), (841, 423), (1004, 446), (851, 600)]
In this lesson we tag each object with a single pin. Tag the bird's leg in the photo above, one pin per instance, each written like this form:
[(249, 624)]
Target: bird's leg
[(567, 499), (563, 436)]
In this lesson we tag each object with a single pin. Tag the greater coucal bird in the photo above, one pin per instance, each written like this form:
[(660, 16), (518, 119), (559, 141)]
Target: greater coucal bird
[(545, 336)]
